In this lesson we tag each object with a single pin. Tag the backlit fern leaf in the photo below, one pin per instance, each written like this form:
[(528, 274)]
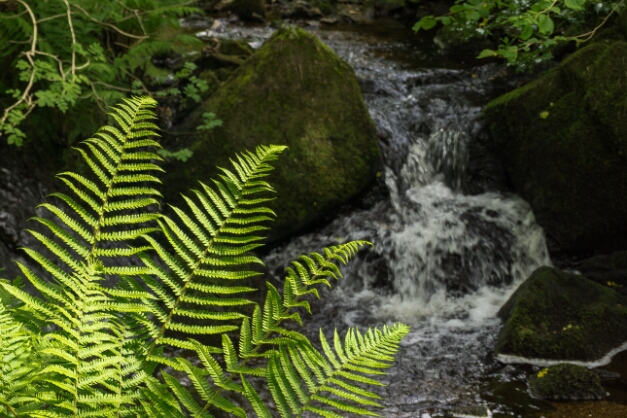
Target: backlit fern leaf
[(91, 357), (208, 249), (301, 379)]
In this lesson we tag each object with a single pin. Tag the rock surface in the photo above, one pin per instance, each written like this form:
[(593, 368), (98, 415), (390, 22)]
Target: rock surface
[(566, 382), (293, 91), (555, 315), (607, 270), (563, 141)]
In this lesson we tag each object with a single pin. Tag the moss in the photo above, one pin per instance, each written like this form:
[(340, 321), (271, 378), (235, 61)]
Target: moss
[(566, 382), (293, 91), (564, 145), (561, 316)]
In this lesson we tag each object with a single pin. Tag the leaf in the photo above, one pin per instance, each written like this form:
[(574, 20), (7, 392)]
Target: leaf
[(526, 33), (425, 23), (545, 24), (574, 4), (487, 53)]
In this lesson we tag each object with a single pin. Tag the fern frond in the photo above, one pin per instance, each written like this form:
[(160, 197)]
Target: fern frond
[(203, 240), (338, 373)]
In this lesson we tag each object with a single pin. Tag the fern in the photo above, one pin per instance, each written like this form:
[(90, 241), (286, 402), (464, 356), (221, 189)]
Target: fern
[(91, 355), (83, 348)]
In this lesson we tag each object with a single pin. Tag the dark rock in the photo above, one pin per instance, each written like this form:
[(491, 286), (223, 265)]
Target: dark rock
[(329, 20), (607, 270), (300, 10), (555, 315), (563, 141), (251, 10), (294, 91), (606, 375), (357, 13), (566, 382)]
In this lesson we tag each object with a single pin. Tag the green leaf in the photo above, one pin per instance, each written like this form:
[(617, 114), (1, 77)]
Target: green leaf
[(545, 24), (487, 53), (574, 4), (425, 23), (526, 33)]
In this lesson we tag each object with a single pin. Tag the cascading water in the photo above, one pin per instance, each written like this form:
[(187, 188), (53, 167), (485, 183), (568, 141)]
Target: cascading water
[(443, 261)]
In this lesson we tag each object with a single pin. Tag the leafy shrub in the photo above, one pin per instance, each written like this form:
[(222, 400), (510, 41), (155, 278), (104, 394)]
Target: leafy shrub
[(85, 349), (527, 31), (73, 54)]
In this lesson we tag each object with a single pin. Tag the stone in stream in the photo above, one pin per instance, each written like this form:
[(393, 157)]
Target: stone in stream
[(560, 316), (566, 382), (293, 91), (608, 270), (563, 141)]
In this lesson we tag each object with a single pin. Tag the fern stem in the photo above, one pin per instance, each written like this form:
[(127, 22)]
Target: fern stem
[(10, 408)]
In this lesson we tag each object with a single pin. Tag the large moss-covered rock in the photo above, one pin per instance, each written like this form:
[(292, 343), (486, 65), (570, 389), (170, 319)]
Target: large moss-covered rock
[(566, 382), (293, 91), (555, 315), (563, 140)]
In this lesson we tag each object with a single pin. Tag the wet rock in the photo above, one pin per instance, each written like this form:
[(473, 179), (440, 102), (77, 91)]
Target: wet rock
[(329, 20), (295, 91), (469, 412), (607, 270), (563, 141), (357, 13), (251, 10), (555, 315), (300, 10), (566, 382), (606, 375)]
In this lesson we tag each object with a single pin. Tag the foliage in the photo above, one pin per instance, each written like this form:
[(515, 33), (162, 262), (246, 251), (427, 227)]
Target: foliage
[(68, 54), (85, 348), (527, 31)]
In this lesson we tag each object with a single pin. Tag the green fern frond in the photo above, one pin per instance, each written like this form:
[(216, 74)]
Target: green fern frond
[(339, 374), (204, 240)]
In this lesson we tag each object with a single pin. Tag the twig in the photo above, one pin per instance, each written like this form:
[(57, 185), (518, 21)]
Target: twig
[(69, 21), (26, 96), (115, 28)]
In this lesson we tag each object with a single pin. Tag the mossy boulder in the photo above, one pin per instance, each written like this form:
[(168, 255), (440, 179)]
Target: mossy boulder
[(563, 141), (293, 91), (555, 315), (566, 382)]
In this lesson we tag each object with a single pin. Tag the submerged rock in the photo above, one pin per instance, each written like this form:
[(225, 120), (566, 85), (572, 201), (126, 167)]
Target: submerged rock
[(294, 91), (555, 315), (566, 382), (563, 140)]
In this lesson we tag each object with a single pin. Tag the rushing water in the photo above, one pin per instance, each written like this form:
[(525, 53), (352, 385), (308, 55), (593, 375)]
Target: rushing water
[(444, 261)]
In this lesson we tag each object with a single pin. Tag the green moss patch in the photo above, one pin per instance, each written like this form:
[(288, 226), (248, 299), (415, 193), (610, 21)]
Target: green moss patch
[(555, 315)]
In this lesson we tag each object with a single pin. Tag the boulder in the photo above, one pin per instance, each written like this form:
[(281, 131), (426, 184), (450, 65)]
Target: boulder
[(293, 91), (566, 382), (563, 141), (555, 315), (608, 270)]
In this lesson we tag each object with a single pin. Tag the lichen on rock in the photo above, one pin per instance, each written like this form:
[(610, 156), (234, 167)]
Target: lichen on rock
[(293, 91), (555, 315)]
